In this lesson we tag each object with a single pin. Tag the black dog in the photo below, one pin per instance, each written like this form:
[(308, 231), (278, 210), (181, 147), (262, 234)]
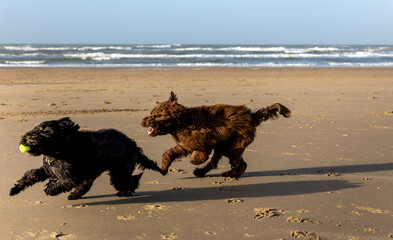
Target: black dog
[(73, 159)]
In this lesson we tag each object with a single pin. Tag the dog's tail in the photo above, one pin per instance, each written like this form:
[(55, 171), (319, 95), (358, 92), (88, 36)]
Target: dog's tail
[(145, 162), (271, 112)]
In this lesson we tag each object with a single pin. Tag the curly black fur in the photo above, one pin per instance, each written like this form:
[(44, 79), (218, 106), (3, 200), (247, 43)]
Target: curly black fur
[(73, 159)]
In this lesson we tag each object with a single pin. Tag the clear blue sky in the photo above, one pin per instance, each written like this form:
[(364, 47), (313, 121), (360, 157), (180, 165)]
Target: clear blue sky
[(197, 21)]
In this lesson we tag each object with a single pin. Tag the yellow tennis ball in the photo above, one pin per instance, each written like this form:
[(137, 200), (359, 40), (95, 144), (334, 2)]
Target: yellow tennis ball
[(24, 148)]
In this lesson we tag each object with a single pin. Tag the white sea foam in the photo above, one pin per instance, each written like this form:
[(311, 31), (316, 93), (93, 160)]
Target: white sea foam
[(366, 54), (100, 56), (24, 63), (30, 54), (154, 46), (53, 48), (194, 49), (349, 64), (99, 48), (252, 49), (322, 49), (19, 48), (29, 48)]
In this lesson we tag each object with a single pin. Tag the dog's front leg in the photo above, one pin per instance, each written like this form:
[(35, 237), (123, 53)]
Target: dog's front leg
[(55, 187), (81, 189), (29, 178), (170, 155)]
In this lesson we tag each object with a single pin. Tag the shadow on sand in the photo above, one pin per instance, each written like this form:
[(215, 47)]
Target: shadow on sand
[(251, 190), (319, 170), (228, 191)]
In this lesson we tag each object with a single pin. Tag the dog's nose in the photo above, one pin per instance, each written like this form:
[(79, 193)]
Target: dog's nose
[(144, 122)]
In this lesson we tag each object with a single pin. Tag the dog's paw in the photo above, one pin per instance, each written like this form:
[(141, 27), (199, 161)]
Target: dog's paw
[(164, 172), (15, 190), (74, 197), (51, 192), (124, 193), (231, 174), (199, 172), (48, 192)]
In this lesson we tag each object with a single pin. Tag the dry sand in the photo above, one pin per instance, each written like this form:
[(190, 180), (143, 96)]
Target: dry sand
[(325, 173)]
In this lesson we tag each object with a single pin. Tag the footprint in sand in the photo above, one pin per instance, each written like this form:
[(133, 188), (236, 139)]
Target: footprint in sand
[(225, 180), (332, 174), (44, 234), (233, 200), (36, 202), (366, 179), (153, 182), (300, 220), (177, 170), (304, 234), (169, 237), (108, 209), (371, 230), (262, 213), (246, 235), (303, 211), (126, 218), (371, 210), (155, 207), (357, 213), (63, 236), (75, 206)]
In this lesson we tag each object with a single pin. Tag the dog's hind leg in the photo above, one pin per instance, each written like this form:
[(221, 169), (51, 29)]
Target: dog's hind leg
[(238, 165), (29, 178), (81, 189), (199, 157), (123, 181), (212, 164), (135, 182), (133, 186)]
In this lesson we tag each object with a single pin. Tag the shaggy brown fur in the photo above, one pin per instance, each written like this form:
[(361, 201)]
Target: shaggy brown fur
[(226, 129)]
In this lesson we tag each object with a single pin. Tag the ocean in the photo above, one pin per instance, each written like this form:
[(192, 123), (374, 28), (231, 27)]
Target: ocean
[(179, 55)]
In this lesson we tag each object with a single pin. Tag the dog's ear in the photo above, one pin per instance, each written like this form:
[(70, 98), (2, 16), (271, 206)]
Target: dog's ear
[(173, 97), (67, 124)]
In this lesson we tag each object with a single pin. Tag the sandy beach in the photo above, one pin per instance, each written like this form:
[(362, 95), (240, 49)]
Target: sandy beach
[(324, 173)]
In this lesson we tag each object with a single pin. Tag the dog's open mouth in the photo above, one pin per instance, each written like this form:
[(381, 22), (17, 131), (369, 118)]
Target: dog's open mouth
[(151, 130)]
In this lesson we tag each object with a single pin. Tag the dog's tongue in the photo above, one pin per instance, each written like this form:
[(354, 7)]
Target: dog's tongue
[(151, 130)]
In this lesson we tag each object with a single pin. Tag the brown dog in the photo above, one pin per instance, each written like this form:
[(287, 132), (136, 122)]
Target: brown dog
[(226, 129)]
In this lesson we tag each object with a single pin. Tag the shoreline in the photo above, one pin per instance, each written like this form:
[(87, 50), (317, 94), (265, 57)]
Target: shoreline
[(192, 68)]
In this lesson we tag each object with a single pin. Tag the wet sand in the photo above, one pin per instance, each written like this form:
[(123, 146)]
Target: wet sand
[(324, 173)]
